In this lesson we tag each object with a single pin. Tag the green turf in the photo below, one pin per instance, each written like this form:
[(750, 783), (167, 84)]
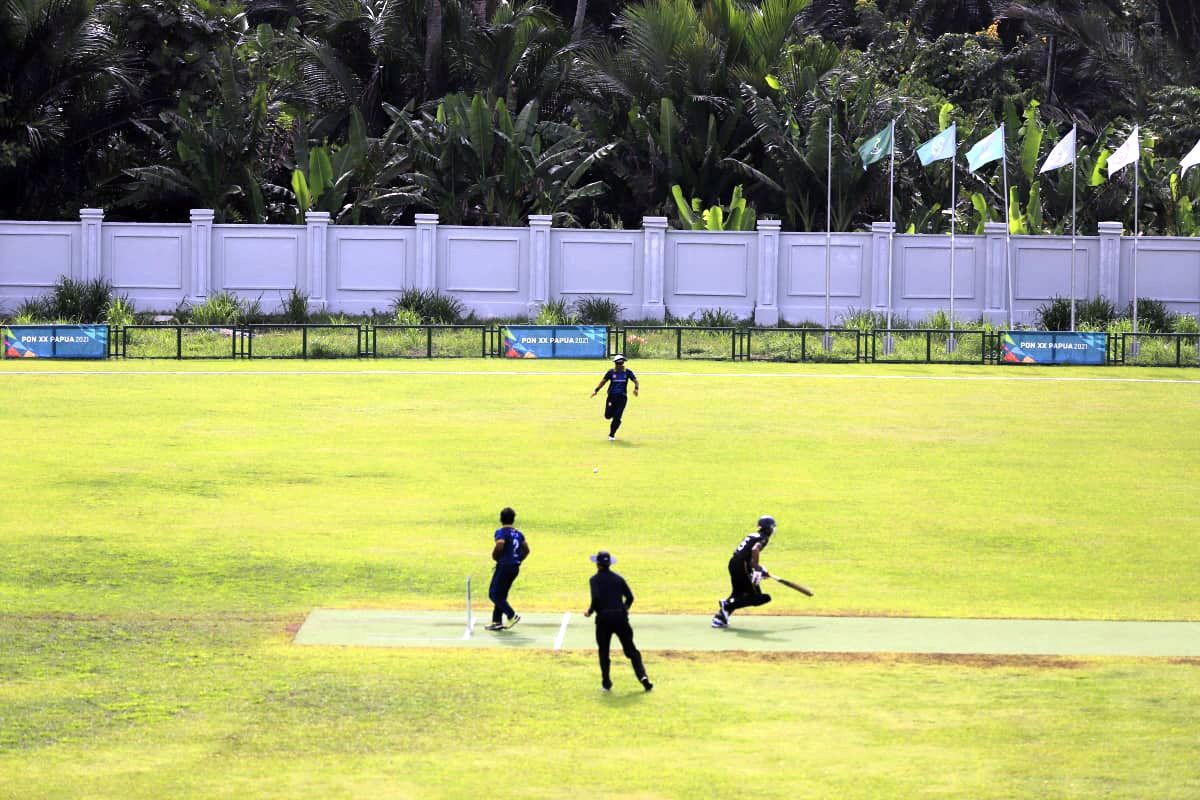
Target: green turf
[(166, 526)]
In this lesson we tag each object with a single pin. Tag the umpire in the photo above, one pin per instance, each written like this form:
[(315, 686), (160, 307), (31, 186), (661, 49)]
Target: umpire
[(611, 599)]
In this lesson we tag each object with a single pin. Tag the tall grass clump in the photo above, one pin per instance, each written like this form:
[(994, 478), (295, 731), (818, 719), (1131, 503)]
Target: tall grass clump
[(717, 318), (120, 312), (863, 319), (431, 306), (1186, 323), (405, 316), (598, 310), (225, 308), (80, 301), (33, 310), (295, 306), (555, 312)]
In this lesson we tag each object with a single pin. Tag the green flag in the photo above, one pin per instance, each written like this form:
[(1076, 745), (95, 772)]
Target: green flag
[(876, 147), (944, 145)]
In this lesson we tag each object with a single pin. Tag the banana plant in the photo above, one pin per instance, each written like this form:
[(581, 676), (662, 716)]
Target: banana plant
[(737, 216), (332, 174)]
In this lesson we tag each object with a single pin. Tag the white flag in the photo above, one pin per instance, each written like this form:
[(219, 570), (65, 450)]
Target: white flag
[(1126, 154), (1190, 160), (1062, 154)]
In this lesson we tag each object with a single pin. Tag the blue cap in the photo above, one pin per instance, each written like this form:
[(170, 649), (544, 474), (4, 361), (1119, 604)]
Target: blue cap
[(603, 559)]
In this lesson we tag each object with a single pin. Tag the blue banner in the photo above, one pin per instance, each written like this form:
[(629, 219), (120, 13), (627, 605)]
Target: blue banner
[(555, 341), (1054, 347), (56, 341)]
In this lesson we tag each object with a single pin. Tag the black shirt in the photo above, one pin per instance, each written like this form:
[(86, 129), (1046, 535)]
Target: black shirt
[(745, 550), (610, 593)]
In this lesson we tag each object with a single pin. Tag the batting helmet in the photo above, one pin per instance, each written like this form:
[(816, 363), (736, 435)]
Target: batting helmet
[(766, 523)]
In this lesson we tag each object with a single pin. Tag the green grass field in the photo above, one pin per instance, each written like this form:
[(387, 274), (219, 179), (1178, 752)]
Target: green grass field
[(168, 526)]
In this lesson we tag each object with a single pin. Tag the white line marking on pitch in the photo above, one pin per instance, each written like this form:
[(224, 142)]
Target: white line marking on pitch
[(562, 631), (506, 373)]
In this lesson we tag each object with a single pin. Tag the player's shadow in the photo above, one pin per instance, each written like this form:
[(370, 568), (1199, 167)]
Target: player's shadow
[(618, 697), (766, 636)]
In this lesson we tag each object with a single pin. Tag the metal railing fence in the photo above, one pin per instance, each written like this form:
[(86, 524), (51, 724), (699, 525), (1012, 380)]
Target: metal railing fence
[(681, 342)]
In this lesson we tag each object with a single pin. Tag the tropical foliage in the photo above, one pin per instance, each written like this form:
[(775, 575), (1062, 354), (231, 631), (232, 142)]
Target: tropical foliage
[(599, 113)]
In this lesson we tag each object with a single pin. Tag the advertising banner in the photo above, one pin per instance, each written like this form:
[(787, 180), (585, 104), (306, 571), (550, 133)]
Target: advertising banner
[(56, 341), (555, 341), (1054, 347)]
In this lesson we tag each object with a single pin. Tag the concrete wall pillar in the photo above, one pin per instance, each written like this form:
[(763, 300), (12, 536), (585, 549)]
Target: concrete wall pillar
[(766, 304), (654, 265), (427, 251), (880, 284), (996, 255), (1110, 262), (539, 260), (92, 221), (317, 230), (201, 260)]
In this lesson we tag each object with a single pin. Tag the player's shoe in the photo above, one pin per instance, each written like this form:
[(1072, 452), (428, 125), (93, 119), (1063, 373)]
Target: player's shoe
[(646, 684), (612, 438), (606, 686), (721, 614), (495, 626), (717, 622), (515, 619)]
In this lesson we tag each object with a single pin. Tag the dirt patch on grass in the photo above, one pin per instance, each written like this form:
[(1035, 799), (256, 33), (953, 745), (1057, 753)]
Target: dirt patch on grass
[(978, 661)]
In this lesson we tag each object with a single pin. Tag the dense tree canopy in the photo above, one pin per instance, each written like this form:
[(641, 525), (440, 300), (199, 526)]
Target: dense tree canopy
[(487, 111)]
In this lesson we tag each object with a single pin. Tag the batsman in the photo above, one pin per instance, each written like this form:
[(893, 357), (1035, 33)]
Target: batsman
[(746, 574)]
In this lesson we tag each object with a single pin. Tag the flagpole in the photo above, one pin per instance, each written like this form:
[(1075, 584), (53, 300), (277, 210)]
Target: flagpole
[(891, 234), (953, 212), (828, 218), (1074, 174), (1136, 210), (1007, 227)]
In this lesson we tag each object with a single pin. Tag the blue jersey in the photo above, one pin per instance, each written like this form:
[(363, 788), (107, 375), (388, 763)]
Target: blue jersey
[(618, 382), (513, 539)]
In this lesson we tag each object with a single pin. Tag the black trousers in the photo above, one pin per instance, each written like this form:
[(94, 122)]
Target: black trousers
[(744, 593), (607, 624), (614, 407), (502, 581)]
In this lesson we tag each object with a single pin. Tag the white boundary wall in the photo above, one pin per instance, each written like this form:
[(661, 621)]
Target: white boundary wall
[(767, 273)]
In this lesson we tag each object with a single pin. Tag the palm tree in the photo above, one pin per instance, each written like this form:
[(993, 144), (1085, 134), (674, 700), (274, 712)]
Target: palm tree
[(61, 74)]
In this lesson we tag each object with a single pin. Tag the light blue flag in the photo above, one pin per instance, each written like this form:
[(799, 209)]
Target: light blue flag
[(944, 145), (986, 150)]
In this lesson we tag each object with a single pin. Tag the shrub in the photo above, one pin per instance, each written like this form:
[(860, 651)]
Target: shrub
[(940, 321), (1186, 323), (555, 312), (1153, 315), (1096, 313), (80, 301), (33, 310), (1055, 315), (864, 320), (432, 306), (598, 310), (717, 318), (295, 307), (222, 308), (120, 312)]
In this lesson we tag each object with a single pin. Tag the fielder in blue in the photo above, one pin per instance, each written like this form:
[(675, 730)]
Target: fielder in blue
[(618, 379), (509, 550)]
